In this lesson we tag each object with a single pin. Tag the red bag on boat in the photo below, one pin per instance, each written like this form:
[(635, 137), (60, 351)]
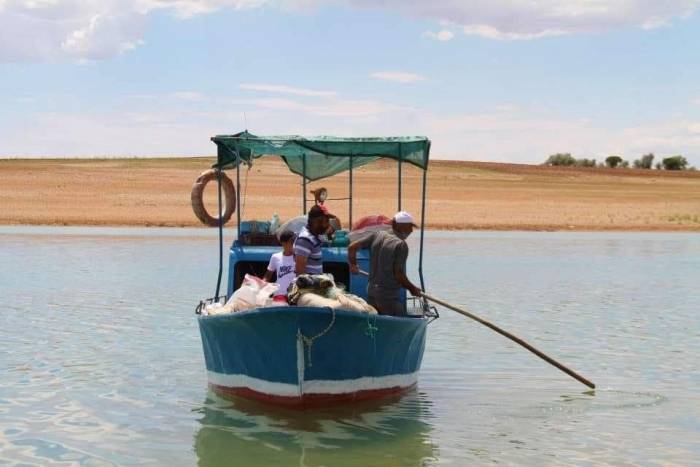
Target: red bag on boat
[(367, 225), (376, 220)]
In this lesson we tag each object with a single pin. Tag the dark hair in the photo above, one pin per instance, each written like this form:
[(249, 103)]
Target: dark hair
[(286, 236), (315, 212)]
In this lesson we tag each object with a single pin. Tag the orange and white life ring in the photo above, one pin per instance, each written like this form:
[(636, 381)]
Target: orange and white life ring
[(229, 193)]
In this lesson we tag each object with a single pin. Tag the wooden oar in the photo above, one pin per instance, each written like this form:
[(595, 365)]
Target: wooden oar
[(510, 336)]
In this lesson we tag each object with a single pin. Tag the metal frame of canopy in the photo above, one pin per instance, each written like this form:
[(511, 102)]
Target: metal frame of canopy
[(245, 136)]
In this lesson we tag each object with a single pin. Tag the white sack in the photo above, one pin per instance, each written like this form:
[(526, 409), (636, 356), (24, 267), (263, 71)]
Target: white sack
[(294, 224), (253, 293)]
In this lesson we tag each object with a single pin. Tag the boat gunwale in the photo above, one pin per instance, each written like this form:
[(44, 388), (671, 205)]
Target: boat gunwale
[(309, 310)]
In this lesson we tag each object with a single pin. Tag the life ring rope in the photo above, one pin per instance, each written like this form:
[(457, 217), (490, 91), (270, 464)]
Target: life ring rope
[(197, 197)]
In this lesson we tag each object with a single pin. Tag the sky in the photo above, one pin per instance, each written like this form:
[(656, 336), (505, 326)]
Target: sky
[(490, 80)]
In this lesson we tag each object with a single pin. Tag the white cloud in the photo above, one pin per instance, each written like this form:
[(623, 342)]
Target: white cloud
[(526, 137), (103, 35), (317, 103), (189, 8), (506, 107), (83, 134), (527, 19), (398, 76), (443, 35), (25, 99), (678, 136), (695, 101), (46, 30), (49, 30), (283, 89), (655, 22), (191, 96), (507, 133), (342, 108), (490, 32)]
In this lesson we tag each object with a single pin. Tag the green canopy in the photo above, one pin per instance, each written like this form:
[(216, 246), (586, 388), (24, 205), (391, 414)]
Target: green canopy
[(320, 156)]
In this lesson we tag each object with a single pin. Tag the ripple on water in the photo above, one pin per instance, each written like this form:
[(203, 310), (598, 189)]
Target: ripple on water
[(370, 434), (102, 360)]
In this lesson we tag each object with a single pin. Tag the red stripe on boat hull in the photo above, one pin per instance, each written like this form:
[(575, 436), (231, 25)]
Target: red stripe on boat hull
[(309, 400)]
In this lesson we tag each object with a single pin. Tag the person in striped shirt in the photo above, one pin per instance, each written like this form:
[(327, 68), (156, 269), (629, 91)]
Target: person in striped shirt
[(307, 246)]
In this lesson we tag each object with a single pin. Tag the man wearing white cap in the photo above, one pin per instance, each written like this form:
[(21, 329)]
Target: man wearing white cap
[(388, 254)]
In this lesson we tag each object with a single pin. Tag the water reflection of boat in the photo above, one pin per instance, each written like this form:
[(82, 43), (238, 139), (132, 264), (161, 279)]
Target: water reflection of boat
[(389, 432), (302, 355)]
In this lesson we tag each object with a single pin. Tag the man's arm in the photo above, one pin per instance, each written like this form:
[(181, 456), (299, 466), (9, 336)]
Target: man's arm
[(271, 268), (352, 251), (300, 264), (352, 257), (302, 250), (407, 284), (400, 257)]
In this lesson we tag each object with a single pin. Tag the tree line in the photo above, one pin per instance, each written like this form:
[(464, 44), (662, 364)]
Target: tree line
[(644, 162)]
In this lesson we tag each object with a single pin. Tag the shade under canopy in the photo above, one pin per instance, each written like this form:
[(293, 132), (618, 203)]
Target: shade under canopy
[(320, 156)]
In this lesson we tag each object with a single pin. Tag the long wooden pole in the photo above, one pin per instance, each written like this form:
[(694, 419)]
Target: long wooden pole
[(510, 336), (516, 339)]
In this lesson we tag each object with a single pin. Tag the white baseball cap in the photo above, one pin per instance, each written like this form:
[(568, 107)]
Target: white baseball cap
[(402, 217)]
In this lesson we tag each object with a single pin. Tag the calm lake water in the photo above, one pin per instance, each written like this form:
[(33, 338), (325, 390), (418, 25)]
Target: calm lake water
[(101, 360)]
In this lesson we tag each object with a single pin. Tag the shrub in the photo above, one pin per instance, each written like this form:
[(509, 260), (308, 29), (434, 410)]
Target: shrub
[(645, 162), (613, 161), (675, 163), (585, 162), (560, 159)]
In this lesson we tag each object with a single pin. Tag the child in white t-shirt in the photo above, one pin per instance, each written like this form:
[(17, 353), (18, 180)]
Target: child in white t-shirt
[(282, 264)]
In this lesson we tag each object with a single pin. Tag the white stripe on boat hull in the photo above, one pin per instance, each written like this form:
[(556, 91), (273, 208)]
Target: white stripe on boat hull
[(346, 386)]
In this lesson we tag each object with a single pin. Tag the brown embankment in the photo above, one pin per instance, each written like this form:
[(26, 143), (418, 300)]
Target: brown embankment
[(461, 195)]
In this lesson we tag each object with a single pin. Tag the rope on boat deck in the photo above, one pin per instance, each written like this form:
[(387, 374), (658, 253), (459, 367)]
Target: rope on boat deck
[(309, 341)]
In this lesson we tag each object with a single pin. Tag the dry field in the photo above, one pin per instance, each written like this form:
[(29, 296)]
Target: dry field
[(461, 195)]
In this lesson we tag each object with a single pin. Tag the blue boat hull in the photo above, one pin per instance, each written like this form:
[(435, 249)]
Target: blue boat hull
[(303, 356)]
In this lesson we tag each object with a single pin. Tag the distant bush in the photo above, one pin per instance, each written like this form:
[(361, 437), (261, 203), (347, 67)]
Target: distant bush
[(645, 162), (560, 159), (585, 162), (613, 161), (566, 159), (674, 163)]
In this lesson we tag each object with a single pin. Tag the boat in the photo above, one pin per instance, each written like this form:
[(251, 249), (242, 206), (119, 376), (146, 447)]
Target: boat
[(299, 356)]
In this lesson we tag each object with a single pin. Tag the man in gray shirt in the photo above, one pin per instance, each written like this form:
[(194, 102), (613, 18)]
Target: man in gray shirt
[(388, 254)]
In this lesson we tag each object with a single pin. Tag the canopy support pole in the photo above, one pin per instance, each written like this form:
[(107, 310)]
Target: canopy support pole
[(400, 167), (422, 232), (238, 196), (303, 182), (221, 236), (350, 196)]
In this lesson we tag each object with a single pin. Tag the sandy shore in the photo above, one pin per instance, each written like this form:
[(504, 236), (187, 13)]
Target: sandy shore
[(461, 195)]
